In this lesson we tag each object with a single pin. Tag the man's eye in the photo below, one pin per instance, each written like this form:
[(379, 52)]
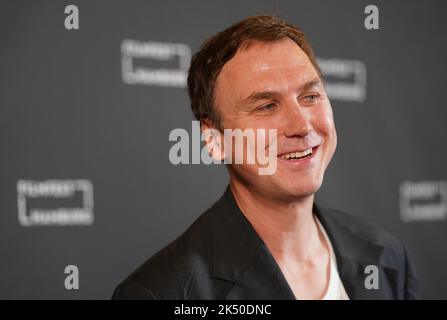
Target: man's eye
[(311, 98), (267, 107)]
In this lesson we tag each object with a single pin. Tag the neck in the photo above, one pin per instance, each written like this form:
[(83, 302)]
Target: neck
[(287, 228)]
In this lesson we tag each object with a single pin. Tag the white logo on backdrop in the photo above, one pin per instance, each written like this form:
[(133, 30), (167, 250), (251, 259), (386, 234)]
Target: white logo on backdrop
[(39, 202), (161, 53), (345, 80), (423, 201)]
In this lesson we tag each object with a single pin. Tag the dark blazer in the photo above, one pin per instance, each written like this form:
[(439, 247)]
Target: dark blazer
[(220, 256)]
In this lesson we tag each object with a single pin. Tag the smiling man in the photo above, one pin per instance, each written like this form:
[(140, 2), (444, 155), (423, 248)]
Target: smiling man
[(266, 238)]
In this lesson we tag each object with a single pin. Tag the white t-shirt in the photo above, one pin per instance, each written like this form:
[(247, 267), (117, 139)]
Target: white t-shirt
[(335, 290)]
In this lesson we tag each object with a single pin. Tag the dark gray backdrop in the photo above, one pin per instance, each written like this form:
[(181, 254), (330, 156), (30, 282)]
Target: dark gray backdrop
[(66, 113)]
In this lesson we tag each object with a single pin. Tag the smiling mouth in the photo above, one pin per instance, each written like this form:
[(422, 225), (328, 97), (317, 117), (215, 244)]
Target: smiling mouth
[(299, 154)]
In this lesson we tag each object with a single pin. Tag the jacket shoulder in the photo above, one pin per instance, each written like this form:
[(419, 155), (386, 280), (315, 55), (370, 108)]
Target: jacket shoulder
[(174, 271), (394, 255), (394, 251), (364, 228)]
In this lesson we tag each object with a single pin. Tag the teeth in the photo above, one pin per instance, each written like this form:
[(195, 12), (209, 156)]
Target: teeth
[(295, 155)]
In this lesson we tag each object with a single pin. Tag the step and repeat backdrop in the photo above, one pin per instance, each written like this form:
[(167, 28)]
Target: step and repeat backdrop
[(91, 90)]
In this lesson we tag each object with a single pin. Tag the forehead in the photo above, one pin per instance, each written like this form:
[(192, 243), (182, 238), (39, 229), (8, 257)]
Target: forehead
[(274, 65)]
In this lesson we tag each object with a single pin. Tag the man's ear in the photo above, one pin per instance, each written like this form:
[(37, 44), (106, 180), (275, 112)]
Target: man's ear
[(213, 139)]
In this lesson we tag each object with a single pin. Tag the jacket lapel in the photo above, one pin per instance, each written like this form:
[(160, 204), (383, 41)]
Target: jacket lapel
[(354, 254), (243, 267)]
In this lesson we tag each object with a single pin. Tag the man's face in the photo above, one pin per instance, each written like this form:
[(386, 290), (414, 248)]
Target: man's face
[(275, 86)]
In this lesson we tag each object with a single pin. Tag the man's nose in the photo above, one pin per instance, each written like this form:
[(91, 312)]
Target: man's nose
[(296, 120)]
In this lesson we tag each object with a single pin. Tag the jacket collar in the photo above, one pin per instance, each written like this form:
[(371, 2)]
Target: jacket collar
[(241, 258), (353, 254), (245, 269)]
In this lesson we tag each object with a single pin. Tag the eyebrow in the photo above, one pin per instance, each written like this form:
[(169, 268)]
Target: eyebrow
[(253, 97)]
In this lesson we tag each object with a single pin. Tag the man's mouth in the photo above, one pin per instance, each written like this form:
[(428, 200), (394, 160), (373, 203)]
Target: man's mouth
[(298, 154)]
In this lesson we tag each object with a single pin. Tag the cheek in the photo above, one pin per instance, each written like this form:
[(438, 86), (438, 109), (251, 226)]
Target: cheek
[(325, 119), (271, 128), (325, 126), (328, 130)]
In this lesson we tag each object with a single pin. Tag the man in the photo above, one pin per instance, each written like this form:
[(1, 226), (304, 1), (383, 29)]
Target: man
[(266, 238)]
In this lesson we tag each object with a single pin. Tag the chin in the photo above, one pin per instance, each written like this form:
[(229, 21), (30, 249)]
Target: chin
[(302, 189)]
